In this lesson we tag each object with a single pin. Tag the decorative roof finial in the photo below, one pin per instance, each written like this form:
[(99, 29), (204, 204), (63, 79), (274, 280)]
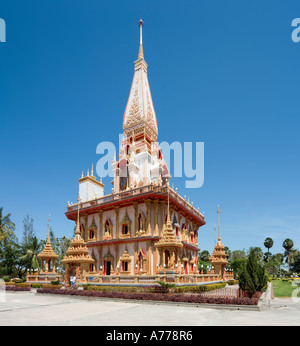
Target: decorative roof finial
[(219, 234), (141, 53), (92, 172), (49, 229), (78, 219)]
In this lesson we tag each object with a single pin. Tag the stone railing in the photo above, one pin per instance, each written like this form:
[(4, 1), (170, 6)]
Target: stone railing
[(138, 191), (152, 279), (43, 277)]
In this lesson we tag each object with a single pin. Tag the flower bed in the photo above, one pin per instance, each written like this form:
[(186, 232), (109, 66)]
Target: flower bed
[(15, 288), (180, 298)]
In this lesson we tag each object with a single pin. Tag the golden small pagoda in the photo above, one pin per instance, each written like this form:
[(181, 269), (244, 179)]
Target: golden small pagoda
[(218, 258), (48, 258), (169, 246), (78, 260)]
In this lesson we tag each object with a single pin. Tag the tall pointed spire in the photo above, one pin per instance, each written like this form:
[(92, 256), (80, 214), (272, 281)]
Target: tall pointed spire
[(219, 233), (78, 218), (141, 53), (139, 116), (48, 239)]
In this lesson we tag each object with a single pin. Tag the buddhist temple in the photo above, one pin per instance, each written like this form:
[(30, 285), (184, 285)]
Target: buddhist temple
[(143, 231)]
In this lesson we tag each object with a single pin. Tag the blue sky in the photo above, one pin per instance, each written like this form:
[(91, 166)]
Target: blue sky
[(223, 73)]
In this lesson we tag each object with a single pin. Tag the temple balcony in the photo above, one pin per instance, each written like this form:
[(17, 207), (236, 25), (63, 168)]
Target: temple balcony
[(135, 193)]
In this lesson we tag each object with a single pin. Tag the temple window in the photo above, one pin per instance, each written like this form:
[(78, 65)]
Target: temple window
[(125, 266), (125, 262), (92, 234), (125, 229), (141, 223), (107, 229), (126, 226), (140, 261), (92, 230)]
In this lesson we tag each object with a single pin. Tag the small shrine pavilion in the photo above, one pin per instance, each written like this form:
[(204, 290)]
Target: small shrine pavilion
[(48, 271), (78, 260), (218, 258)]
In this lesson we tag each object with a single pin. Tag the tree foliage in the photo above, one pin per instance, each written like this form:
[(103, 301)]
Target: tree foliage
[(252, 275)]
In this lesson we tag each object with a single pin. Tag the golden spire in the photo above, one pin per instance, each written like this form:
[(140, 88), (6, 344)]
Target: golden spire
[(168, 217), (215, 235), (141, 53), (78, 219), (219, 234), (49, 228)]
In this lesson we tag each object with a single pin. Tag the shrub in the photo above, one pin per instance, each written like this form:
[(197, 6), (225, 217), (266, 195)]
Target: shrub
[(55, 287), (16, 280), (164, 287), (232, 282), (55, 282), (252, 277), (201, 288), (5, 278), (23, 284), (36, 285)]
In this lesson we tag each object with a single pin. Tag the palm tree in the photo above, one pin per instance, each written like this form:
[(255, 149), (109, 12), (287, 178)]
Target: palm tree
[(268, 243), (289, 252), (31, 254), (6, 227)]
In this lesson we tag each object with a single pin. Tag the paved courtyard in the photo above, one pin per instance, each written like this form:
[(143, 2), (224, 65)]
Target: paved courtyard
[(26, 308)]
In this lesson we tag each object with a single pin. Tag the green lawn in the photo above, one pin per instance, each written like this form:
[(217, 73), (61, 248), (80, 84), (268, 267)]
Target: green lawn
[(283, 289)]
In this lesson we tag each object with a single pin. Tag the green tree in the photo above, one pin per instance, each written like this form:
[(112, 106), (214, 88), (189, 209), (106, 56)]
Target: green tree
[(11, 263), (268, 243), (273, 265), (289, 251), (28, 232), (30, 257), (204, 256), (252, 276), (258, 252), (236, 260), (7, 227), (296, 265), (227, 251)]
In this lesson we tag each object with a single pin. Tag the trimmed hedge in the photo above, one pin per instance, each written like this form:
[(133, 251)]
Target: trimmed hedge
[(232, 282), (201, 288), (180, 298), (155, 288), (24, 284)]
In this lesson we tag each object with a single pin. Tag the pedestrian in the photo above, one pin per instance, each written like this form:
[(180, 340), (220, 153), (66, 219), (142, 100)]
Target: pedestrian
[(72, 281)]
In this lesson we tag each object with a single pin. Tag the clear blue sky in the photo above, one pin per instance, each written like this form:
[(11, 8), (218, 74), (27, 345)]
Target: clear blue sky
[(225, 73)]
